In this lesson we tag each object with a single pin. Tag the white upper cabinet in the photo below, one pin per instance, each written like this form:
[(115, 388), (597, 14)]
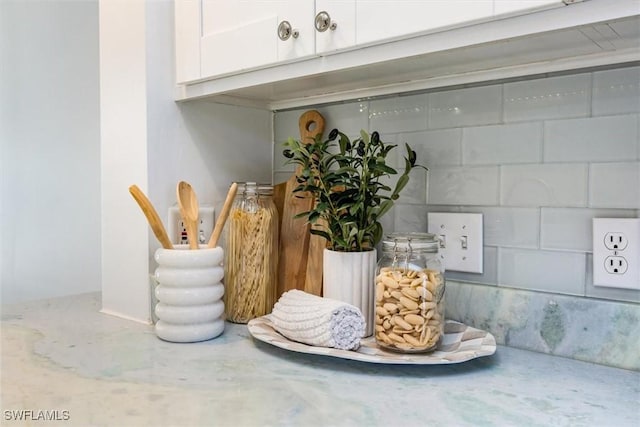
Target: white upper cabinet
[(333, 23), (377, 20), (219, 37), (238, 35), (284, 53)]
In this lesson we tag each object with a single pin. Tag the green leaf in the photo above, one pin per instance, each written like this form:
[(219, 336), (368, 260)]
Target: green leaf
[(384, 169), (384, 208), (317, 232), (301, 215), (364, 136), (344, 141), (345, 169), (314, 216), (353, 232), (402, 182), (377, 233)]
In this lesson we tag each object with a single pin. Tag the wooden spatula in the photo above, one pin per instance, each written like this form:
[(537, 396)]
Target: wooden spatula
[(152, 216), (295, 237)]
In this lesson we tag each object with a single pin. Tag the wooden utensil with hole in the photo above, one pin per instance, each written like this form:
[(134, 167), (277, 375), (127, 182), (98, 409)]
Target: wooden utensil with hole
[(222, 218), (188, 203), (152, 216), (300, 258)]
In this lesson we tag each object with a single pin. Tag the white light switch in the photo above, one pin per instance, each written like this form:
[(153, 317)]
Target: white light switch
[(461, 239)]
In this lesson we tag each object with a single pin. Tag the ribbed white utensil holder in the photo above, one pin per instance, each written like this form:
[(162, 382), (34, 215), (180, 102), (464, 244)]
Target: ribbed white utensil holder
[(189, 292)]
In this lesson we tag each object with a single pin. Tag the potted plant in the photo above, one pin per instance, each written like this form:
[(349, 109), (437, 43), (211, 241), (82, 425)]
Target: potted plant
[(349, 181)]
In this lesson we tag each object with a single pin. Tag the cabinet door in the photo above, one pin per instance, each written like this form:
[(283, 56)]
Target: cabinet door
[(343, 14), (382, 19), (187, 40), (299, 13), (242, 34)]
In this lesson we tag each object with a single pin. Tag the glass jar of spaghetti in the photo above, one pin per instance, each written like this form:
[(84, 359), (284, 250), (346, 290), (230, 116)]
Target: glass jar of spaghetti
[(251, 254), (409, 308)]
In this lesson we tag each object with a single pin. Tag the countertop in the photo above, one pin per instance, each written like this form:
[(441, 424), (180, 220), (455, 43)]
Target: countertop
[(63, 359)]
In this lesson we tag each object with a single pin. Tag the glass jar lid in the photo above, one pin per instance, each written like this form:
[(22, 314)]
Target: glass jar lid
[(265, 189), (410, 242)]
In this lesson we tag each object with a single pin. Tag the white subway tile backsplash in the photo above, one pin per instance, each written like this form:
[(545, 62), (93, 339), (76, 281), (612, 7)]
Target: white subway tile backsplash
[(348, 118), (443, 208), (571, 228), (539, 158), (502, 144), (515, 227), (559, 272), (410, 218), (415, 192), (600, 139), (286, 125), (279, 177), (544, 185), (614, 185), (279, 161), (398, 114), (435, 147), (548, 98), (463, 186), (616, 91), (388, 221), (465, 107)]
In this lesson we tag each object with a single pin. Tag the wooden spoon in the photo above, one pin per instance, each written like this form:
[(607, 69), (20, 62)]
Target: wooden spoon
[(152, 216), (217, 230), (188, 203)]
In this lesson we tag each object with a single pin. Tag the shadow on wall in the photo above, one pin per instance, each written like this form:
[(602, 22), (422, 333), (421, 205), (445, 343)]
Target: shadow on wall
[(228, 141)]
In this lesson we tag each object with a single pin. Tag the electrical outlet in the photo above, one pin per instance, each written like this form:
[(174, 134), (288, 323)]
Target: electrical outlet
[(460, 239), (616, 252), (615, 241), (178, 232), (616, 265)]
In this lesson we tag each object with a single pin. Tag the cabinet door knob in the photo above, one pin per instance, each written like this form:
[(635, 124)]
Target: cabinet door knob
[(285, 31), (323, 22)]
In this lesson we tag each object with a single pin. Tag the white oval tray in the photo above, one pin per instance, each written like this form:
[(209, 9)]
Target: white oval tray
[(459, 344)]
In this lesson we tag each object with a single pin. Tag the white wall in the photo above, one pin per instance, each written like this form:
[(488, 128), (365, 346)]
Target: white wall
[(209, 145), (50, 153), (206, 144), (49, 149)]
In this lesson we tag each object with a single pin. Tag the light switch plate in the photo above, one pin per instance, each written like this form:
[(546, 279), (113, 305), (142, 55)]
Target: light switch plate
[(616, 252), (460, 239)]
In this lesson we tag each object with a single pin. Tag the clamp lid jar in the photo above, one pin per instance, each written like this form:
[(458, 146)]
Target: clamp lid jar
[(251, 254), (409, 309)]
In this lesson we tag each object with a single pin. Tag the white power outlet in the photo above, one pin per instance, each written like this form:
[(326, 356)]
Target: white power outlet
[(616, 252), (460, 239), (177, 231)]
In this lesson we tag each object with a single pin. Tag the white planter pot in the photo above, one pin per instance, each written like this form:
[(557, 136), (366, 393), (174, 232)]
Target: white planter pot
[(349, 277), (189, 293)]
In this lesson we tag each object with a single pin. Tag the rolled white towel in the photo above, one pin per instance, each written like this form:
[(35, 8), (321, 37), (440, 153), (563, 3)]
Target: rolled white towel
[(318, 321)]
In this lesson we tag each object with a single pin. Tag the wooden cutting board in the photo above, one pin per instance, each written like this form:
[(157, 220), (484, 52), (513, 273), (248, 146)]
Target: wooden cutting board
[(300, 258)]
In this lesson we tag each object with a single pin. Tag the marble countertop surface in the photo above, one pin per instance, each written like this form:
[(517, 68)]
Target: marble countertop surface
[(64, 360)]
